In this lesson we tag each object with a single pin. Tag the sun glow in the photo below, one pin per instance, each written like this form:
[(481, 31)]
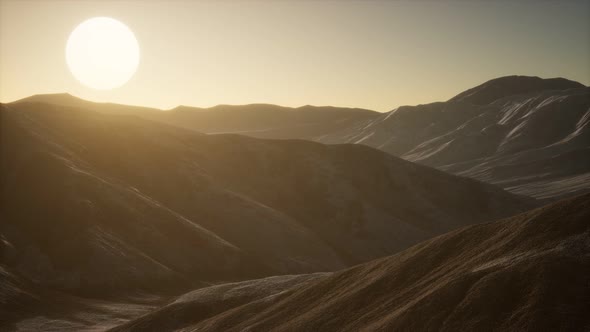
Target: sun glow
[(102, 53)]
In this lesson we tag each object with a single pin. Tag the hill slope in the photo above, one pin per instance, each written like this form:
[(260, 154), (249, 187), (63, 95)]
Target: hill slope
[(168, 209), (525, 273)]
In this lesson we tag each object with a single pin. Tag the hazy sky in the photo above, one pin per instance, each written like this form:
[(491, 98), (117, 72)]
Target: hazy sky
[(375, 55)]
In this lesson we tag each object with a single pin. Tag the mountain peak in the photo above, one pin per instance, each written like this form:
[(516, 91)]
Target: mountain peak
[(512, 85), (62, 97)]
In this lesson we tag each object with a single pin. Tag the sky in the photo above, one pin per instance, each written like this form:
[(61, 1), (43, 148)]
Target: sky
[(370, 54)]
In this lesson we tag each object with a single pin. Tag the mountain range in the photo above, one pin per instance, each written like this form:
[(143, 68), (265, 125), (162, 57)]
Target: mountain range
[(464, 214), (525, 134)]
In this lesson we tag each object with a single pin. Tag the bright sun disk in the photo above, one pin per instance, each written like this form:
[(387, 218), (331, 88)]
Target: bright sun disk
[(102, 53)]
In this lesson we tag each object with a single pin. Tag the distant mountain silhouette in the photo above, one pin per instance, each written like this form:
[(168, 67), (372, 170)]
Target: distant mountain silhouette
[(525, 273), (526, 134), (267, 121), (256, 120)]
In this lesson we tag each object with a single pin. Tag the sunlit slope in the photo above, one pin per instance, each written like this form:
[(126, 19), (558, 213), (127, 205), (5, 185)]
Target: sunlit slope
[(525, 134), (525, 273)]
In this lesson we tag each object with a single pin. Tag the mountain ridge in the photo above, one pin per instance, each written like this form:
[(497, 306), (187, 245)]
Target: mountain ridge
[(485, 132)]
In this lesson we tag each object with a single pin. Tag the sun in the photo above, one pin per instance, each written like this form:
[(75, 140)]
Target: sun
[(102, 53)]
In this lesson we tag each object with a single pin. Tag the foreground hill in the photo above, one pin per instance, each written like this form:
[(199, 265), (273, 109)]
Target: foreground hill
[(95, 203), (525, 273), (526, 134), (26, 306)]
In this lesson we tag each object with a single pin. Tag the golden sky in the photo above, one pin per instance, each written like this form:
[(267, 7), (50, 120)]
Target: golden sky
[(375, 54)]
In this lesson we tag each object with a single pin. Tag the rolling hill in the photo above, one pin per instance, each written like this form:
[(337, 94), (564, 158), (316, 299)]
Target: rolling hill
[(524, 273), (165, 209)]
